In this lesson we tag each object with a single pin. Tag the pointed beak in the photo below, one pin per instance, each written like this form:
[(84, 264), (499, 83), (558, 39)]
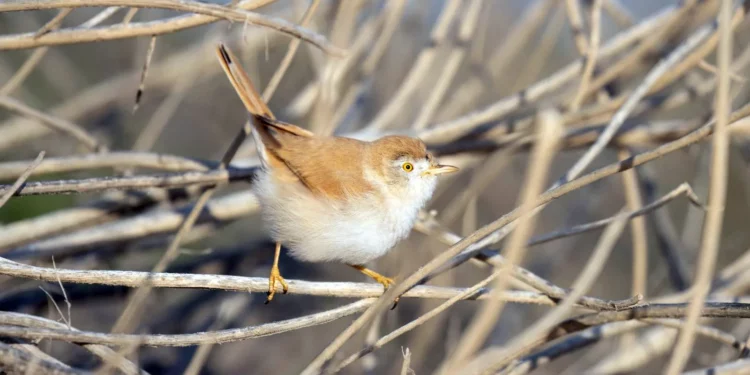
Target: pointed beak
[(439, 169)]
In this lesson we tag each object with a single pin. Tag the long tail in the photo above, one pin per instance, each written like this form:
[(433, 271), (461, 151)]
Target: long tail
[(242, 84), (263, 117)]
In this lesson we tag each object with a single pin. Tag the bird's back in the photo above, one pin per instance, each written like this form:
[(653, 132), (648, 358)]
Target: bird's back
[(331, 168)]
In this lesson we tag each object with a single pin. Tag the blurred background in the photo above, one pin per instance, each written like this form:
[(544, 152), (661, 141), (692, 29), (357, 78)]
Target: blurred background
[(466, 61)]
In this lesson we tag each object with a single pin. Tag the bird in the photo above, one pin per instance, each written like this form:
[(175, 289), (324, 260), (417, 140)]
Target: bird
[(331, 198)]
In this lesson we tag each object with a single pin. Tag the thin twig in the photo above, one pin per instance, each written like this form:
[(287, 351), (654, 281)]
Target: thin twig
[(100, 17), (54, 23), (740, 366), (57, 307), (549, 132), (619, 13), (452, 129), (227, 312), (674, 311), (622, 114), (66, 36), (131, 183), (144, 72), (406, 366), (450, 66), (498, 63), (273, 83), (591, 53), (419, 69), (416, 322), (683, 189), (670, 26), (24, 71), (103, 352), (634, 203), (159, 221), (593, 335), (58, 124), (573, 10), (8, 193), (712, 69), (189, 339), (68, 321), (583, 283), (249, 284), (36, 57), (16, 361), (120, 159), (488, 234), (716, 197)]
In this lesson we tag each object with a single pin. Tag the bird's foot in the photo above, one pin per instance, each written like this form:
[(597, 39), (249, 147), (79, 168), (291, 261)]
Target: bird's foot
[(272, 279), (387, 282)]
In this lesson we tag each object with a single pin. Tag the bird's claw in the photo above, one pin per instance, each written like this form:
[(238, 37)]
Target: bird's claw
[(272, 279), (387, 282)]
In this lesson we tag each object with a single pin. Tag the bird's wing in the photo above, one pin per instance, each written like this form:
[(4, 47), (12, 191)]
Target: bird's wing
[(325, 165), (329, 166)]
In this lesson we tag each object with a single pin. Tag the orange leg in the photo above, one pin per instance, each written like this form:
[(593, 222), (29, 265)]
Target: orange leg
[(385, 281), (276, 276)]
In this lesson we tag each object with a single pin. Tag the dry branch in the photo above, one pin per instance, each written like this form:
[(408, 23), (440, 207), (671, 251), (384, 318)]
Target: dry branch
[(217, 337), (60, 125), (222, 209), (453, 129), (478, 108), (122, 159), (9, 192), (67, 36), (245, 284), (104, 352), (593, 335), (16, 362), (132, 183)]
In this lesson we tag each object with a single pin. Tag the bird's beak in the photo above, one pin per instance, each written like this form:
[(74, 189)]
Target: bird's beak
[(439, 169)]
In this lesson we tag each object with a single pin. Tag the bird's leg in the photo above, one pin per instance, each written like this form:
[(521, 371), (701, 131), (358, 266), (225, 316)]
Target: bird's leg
[(385, 281), (276, 276)]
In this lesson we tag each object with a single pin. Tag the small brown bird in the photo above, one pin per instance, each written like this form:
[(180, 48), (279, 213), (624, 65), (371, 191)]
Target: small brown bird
[(333, 198)]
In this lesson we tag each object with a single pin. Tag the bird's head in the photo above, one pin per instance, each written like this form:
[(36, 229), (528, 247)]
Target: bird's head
[(402, 166)]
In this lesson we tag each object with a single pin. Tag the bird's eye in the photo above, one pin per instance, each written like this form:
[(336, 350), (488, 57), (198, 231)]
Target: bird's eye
[(407, 167)]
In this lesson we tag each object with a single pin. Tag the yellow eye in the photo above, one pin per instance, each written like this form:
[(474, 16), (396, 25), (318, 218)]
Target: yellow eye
[(407, 167)]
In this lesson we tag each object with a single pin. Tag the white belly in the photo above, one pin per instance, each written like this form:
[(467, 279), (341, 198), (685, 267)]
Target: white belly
[(319, 231)]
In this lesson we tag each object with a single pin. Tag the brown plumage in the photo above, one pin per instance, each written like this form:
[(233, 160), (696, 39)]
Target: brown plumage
[(333, 198), (328, 166)]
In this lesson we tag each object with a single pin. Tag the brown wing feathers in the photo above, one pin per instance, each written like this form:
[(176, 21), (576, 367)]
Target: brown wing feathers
[(263, 120)]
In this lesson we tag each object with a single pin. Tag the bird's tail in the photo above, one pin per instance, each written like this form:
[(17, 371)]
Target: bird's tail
[(242, 84), (264, 123)]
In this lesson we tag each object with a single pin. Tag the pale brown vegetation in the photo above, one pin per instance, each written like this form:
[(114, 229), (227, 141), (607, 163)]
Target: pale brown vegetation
[(131, 241)]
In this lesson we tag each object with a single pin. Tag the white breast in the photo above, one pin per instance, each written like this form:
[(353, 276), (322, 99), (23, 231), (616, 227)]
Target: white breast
[(320, 231)]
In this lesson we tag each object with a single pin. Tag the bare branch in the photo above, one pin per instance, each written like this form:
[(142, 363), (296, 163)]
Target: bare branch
[(717, 196), (13, 189), (60, 125), (247, 284), (15, 361), (120, 159), (104, 352), (137, 182), (67, 36)]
